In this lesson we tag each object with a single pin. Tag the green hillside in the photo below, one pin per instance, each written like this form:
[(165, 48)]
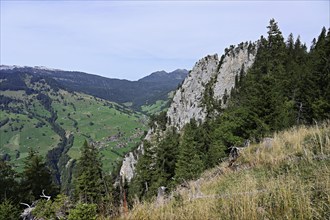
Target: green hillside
[(137, 93), (158, 106), (27, 121)]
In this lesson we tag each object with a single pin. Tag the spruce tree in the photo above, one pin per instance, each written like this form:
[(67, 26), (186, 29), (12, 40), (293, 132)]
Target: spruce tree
[(36, 177), (8, 183), (166, 152), (145, 170), (189, 163), (320, 59), (89, 183)]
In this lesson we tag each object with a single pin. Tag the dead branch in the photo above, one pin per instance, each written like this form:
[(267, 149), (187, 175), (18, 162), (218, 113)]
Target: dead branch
[(44, 196), (26, 214), (22, 203)]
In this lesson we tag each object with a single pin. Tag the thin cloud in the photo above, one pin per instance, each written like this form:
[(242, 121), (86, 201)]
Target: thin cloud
[(130, 39)]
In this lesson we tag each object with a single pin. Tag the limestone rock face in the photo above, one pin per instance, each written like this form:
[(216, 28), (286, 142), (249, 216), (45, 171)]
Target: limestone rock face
[(130, 160), (128, 166), (233, 63), (188, 101)]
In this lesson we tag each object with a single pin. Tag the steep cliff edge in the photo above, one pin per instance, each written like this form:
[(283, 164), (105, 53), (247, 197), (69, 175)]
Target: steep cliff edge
[(211, 78), (189, 101)]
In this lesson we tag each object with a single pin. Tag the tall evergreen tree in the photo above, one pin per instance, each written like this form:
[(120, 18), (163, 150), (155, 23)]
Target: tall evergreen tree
[(36, 177), (89, 182), (320, 59), (166, 152), (145, 170), (189, 163), (8, 183)]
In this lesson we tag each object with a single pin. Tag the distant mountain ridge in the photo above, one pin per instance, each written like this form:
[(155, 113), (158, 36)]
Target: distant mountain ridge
[(149, 89), (162, 76)]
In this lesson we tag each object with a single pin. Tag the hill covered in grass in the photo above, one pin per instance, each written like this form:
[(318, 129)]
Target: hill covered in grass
[(286, 176), (133, 94), (38, 114)]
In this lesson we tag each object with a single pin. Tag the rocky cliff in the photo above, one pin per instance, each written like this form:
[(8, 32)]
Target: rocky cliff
[(211, 78), (189, 101)]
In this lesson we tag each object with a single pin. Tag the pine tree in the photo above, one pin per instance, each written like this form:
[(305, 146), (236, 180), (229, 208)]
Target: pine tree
[(189, 163), (89, 182), (145, 170), (9, 210), (320, 59), (36, 177), (166, 152), (8, 183)]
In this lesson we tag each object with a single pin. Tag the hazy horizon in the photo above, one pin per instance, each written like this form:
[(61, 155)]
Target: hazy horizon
[(5, 66), (131, 39)]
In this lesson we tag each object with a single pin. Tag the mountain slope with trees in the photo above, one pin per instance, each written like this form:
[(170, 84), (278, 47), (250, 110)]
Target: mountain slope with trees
[(145, 91), (287, 85)]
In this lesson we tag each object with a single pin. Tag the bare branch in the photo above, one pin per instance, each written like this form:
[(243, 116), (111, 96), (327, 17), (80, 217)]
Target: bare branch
[(26, 204), (27, 212), (44, 196)]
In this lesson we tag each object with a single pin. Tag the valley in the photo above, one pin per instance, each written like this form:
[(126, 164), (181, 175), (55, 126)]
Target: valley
[(41, 120)]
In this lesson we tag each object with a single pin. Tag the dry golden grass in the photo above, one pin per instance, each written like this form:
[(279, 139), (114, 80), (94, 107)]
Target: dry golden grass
[(288, 180)]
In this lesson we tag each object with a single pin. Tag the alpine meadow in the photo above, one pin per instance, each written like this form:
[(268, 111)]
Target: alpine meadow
[(242, 135)]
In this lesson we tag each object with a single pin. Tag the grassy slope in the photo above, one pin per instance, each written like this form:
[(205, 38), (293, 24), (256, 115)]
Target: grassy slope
[(289, 180), (158, 106), (98, 120), (95, 119), (154, 108)]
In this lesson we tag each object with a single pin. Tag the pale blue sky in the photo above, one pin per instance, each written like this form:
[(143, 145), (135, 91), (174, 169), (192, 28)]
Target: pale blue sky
[(130, 39)]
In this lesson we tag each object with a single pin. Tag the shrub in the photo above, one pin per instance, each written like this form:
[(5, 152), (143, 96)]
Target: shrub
[(8, 211), (83, 212)]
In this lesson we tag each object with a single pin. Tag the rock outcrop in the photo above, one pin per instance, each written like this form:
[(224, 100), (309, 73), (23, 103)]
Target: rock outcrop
[(130, 160), (236, 61), (128, 166), (212, 73), (188, 100)]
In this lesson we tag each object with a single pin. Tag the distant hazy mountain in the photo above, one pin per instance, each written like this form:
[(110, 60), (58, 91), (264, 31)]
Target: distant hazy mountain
[(144, 91), (162, 76)]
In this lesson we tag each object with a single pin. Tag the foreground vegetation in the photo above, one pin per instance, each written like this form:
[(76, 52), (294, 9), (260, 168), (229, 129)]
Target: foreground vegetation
[(287, 177)]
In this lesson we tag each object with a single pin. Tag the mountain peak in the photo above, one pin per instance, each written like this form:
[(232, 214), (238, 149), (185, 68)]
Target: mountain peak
[(9, 67), (163, 76)]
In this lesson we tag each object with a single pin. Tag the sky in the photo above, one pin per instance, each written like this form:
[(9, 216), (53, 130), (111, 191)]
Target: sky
[(131, 39)]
